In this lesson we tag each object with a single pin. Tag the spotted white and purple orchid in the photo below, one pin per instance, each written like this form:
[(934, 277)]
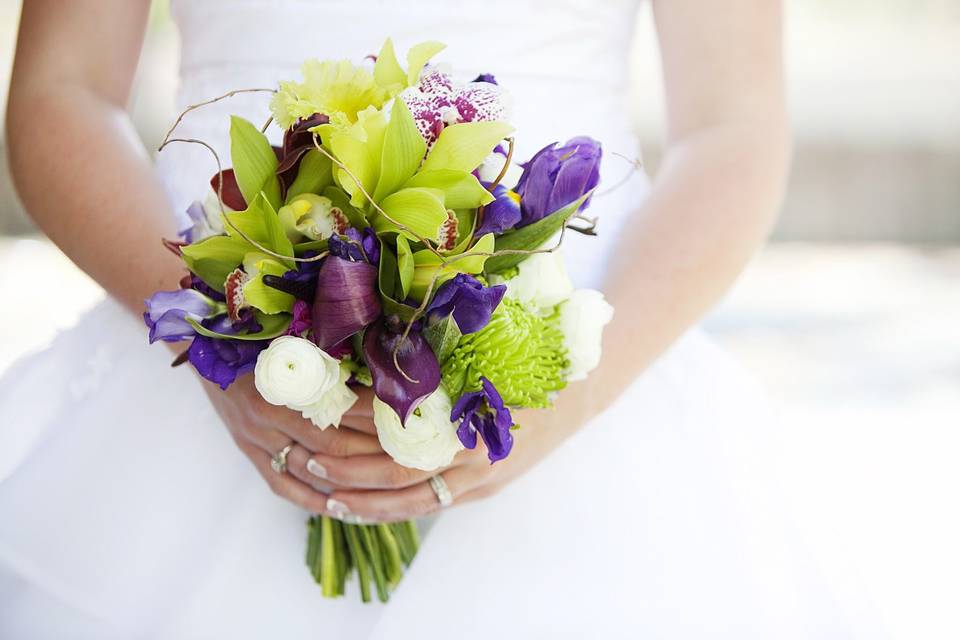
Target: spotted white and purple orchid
[(557, 176), (168, 313), (437, 101), (483, 412)]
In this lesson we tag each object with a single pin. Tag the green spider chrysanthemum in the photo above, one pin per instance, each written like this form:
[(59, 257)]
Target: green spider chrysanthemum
[(521, 353)]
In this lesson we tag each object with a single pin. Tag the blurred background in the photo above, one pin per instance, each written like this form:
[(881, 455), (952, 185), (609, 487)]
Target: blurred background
[(850, 317)]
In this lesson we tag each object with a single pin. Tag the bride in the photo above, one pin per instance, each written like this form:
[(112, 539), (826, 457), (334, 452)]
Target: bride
[(640, 507)]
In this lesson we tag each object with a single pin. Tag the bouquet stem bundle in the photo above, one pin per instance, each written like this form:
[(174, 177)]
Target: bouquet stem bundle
[(377, 553)]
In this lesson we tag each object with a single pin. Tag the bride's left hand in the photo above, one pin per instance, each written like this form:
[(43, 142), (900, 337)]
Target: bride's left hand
[(380, 490)]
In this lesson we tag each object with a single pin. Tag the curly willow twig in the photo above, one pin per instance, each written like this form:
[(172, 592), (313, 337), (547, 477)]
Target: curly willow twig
[(205, 103), (635, 165), (223, 212)]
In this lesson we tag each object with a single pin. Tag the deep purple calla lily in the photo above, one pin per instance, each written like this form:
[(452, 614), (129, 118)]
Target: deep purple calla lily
[(556, 176), (297, 140), (501, 214), (483, 412), (470, 303), (167, 313), (347, 300), (415, 357), (230, 189)]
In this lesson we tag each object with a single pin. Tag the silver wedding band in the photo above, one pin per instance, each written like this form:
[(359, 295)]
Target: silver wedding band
[(279, 460), (440, 488)]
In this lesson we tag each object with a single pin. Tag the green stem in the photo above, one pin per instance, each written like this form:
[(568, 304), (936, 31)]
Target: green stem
[(391, 553), (359, 559), (328, 568), (372, 547)]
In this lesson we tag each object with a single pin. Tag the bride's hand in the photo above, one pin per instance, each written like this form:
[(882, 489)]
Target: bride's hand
[(261, 430), (373, 488)]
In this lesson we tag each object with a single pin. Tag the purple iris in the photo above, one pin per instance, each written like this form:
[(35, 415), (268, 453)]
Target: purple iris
[(167, 313), (468, 300), (486, 77), (356, 246), (501, 214), (556, 176), (302, 319), (483, 412), (222, 360)]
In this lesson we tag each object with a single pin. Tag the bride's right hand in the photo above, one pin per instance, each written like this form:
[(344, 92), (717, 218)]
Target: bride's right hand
[(261, 430)]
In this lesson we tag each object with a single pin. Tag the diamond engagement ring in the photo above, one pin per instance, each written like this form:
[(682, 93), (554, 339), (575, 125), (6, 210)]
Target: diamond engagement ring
[(439, 486), (279, 460)]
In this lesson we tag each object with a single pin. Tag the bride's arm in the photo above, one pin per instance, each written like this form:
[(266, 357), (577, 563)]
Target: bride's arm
[(86, 180), (75, 158), (712, 204)]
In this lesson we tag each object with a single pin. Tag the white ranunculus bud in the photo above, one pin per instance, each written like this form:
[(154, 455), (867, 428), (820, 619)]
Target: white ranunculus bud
[(541, 281), (294, 372), (582, 318), (491, 167), (428, 441), (329, 409)]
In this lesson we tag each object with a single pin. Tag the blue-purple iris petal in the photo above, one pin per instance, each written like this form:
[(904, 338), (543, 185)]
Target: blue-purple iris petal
[(557, 176), (501, 214), (470, 303), (167, 313), (486, 77), (492, 422), (198, 219), (223, 361), (356, 246)]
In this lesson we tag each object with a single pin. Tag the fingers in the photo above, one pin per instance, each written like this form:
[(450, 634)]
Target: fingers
[(412, 502), (377, 471), (285, 485), (330, 441), (297, 464), (360, 415)]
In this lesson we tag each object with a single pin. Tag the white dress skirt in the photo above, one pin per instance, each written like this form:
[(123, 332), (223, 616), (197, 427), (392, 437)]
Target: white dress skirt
[(126, 511)]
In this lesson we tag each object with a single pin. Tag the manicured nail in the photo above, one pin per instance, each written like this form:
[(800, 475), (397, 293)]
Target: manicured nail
[(316, 468), (337, 508), (349, 518)]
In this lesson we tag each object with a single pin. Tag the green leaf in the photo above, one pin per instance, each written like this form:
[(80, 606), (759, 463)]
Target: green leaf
[(387, 71), (254, 162), (531, 237), (404, 265), (464, 146), (271, 327), (259, 295), (418, 56), (313, 245), (315, 174), (421, 210), (387, 281), (340, 199), (261, 223), (461, 189), (403, 150), (443, 337), (213, 259)]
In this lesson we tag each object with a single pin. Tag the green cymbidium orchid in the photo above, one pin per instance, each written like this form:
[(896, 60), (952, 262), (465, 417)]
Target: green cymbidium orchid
[(521, 353)]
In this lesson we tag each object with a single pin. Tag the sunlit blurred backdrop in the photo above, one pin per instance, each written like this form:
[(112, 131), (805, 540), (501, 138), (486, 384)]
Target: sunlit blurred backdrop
[(851, 317)]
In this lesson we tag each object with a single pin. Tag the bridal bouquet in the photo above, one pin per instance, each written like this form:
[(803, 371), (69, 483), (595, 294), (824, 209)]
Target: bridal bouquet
[(392, 242)]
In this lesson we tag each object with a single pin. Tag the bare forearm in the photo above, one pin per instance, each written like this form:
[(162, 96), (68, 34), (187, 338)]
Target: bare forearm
[(711, 207), (87, 182)]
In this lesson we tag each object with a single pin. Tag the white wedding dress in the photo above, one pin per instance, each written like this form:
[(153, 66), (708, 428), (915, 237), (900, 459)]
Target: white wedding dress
[(127, 512)]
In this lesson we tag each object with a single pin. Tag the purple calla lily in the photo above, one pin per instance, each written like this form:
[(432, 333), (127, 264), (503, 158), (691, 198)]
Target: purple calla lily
[(556, 176), (415, 357), (501, 214), (347, 300), (167, 313), (483, 412), (470, 303)]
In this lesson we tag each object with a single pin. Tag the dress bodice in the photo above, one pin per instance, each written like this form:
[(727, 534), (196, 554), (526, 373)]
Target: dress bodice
[(565, 65)]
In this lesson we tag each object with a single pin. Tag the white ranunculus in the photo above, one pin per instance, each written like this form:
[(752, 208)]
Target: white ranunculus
[(582, 318), (491, 167), (329, 409), (294, 372), (428, 441), (541, 281)]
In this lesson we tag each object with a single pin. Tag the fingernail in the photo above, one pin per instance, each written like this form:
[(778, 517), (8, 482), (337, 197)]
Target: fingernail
[(337, 508), (316, 468), (349, 518)]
